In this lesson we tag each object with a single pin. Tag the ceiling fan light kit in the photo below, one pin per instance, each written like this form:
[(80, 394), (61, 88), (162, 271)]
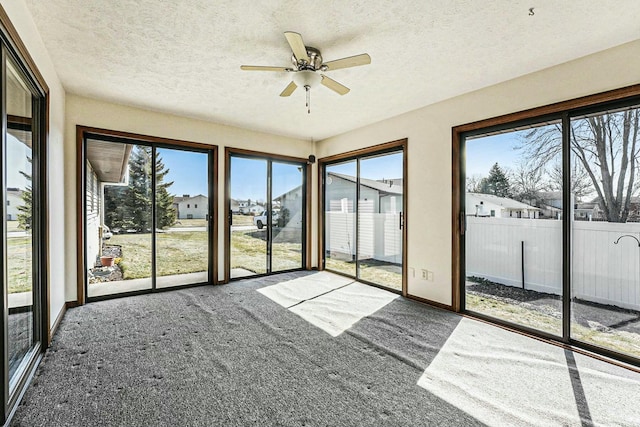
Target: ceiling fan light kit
[(308, 65)]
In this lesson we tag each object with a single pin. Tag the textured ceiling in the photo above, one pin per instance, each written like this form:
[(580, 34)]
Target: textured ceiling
[(184, 56)]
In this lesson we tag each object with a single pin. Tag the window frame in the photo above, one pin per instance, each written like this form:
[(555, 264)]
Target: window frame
[(86, 132), (13, 47), (306, 204), (400, 145), (562, 111)]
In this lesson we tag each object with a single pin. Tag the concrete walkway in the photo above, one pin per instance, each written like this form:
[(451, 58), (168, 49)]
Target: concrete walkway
[(120, 286)]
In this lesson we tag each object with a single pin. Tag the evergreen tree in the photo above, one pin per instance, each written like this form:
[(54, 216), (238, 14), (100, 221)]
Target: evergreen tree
[(26, 210), (496, 183), (165, 211), (113, 208), (129, 208)]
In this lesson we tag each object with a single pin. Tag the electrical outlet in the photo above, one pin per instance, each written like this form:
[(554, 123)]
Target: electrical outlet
[(425, 274)]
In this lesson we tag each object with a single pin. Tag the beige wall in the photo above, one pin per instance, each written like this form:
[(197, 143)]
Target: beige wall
[(22, 21), (429, 158), (106, 115), (429, 153)]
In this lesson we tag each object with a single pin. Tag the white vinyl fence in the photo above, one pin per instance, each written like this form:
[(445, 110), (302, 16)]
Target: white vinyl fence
[(601, 272), (380, 235)]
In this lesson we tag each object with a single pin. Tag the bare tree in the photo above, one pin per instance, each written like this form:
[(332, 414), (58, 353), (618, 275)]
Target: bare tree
[(581, 185), (527, 183), (473, 183), (605, 145)]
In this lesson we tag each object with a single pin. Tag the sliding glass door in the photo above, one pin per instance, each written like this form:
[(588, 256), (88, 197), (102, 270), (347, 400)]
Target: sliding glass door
[(364, 217), (250, 217), (288, 204), (550, 226), (22, 227), (513, 237), (605, 229), (267, 214), (148, 216), (182, 217)]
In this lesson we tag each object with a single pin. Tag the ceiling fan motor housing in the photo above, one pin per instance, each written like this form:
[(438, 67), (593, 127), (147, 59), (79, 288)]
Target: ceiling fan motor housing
[(315, 60)]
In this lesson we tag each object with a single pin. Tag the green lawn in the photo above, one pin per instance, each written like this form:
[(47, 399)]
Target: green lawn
[(13, 226), (186, 252), (242, 220), (384, 274), (19, 251), (178, 253), (248, 251), (184, 223), (617, 340)]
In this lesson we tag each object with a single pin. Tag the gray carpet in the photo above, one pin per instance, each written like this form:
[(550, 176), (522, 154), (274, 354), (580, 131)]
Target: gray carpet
[(229, 355)]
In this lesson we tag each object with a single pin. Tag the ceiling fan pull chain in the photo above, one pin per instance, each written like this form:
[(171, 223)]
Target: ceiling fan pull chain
[(308, 89)]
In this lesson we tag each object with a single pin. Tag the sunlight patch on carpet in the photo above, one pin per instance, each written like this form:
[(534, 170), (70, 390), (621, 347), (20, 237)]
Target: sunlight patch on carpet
[(337, 311), (295, 291), (503, 378)]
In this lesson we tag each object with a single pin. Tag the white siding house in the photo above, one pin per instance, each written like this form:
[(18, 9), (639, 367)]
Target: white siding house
[(489, 205), (14, 200), (196, 207), (107, 164)]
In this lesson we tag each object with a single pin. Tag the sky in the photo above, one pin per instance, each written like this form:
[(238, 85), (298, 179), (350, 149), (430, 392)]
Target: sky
[(387, 166), (17, 154), (187, 170), (249, 178), (484, 152)]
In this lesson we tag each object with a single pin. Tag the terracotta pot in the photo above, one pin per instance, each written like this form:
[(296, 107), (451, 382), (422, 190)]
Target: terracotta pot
[(106, 261)]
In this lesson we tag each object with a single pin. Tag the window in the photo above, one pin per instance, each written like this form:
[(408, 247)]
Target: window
[(273, 238), (363, 229), (155, 246), (23, 170), (577, 271), (195, 206), (188, 206)]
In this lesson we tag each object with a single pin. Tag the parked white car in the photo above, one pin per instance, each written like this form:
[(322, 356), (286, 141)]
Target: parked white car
[(261, 220)]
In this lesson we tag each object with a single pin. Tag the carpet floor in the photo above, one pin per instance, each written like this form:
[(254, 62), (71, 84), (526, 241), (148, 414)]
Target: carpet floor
[(310, 349)]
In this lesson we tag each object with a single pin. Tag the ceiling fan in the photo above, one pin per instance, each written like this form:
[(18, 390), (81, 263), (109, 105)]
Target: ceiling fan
[(307, 66)]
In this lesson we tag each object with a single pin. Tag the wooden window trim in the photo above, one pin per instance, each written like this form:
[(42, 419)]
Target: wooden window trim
[(363, 152), (563, 108), (230, 151), (83, 132)]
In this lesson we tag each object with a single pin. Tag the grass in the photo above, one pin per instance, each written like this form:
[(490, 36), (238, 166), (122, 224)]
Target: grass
[(248, 251), (184, 223), (385, 274), (184, 252), (242, 220), (13, 226), (19, 252), (617, 340), (177, 253)]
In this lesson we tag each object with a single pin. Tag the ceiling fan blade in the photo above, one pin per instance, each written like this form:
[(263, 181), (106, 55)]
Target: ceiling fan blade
[(335, 86), (262, 68), (289, 89), (352, 61), (297, 46)]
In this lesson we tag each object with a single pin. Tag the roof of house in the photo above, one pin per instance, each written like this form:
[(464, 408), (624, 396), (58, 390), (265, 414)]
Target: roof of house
[(551, 195), (376, 185), (505, 202), (186, 199)]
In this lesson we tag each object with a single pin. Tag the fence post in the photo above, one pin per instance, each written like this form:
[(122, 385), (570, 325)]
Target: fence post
[(522, 261)]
